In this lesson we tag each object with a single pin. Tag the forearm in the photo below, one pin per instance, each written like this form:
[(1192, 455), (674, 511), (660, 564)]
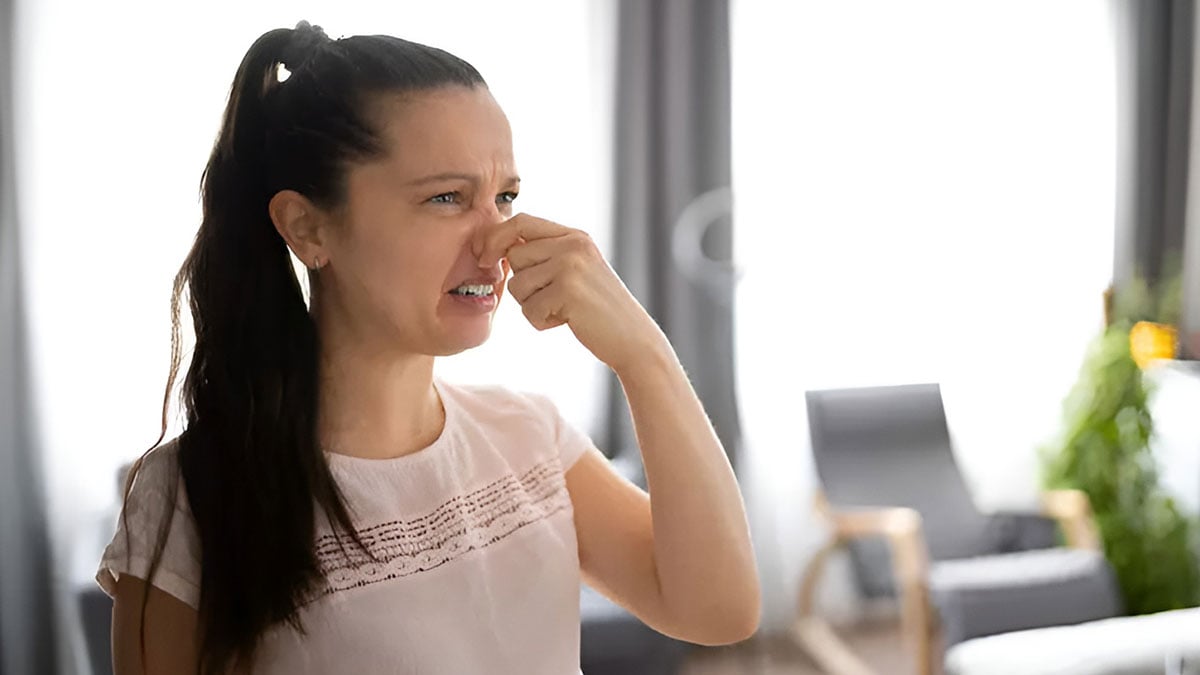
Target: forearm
[(702, 550)]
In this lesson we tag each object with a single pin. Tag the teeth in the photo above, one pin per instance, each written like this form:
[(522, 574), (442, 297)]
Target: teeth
[(477, 290)]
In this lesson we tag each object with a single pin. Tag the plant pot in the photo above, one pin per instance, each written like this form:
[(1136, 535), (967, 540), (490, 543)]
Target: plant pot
[(1149, 341)]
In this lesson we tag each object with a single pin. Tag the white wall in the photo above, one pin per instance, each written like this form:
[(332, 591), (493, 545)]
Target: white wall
[(924, 192), (119, 105)]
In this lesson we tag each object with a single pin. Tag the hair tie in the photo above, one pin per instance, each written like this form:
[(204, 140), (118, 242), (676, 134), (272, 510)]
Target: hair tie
[(303, 44)]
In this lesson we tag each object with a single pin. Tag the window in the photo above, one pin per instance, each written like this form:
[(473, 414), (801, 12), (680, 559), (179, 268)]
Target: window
[(924, 191)]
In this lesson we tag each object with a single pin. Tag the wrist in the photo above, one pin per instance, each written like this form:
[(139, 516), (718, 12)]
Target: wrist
[(647, 358)]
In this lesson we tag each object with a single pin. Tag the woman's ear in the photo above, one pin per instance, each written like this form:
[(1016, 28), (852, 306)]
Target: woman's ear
[(301, 224)]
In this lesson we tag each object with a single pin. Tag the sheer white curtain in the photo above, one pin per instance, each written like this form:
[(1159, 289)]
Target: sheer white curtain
[(120, 102), (924, 192)]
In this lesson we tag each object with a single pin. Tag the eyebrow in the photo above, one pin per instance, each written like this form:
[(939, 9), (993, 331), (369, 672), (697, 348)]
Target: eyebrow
[(471, 178)]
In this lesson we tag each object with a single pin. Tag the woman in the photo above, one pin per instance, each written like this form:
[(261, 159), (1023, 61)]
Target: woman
[(331, 507)]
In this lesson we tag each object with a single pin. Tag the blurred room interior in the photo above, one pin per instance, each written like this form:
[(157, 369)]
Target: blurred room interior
[(932, 265)]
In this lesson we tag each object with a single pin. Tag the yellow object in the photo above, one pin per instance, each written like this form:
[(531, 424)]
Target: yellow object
[(1150, 341)]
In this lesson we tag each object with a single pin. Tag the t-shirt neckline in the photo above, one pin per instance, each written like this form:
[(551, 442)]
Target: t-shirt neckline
[(431, 450)]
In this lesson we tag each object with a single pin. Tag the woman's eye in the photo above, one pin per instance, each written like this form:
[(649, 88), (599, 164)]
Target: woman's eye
[(507, 198), (445, 198)]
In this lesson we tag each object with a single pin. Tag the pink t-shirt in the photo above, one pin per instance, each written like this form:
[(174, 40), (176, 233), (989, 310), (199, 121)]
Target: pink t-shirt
[(479, 566)]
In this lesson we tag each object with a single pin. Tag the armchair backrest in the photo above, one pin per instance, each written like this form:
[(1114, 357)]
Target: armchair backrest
[(890, 446)]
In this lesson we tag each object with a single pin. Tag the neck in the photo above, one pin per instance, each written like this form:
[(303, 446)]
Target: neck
[(374, 403)]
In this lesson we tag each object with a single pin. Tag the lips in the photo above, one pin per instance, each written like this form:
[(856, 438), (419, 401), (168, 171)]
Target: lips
[(477, 286), (475, 290), (475, 296)]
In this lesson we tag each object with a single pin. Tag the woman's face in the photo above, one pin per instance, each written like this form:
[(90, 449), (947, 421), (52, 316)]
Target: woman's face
[(401, 273)]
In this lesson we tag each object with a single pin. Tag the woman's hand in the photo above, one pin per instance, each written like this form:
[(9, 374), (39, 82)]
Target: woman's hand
[(559, 276)]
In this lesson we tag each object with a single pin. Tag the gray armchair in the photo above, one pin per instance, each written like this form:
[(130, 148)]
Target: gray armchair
[(892, 491)]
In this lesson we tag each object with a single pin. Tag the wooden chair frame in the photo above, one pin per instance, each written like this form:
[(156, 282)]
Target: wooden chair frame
[(902, 529)]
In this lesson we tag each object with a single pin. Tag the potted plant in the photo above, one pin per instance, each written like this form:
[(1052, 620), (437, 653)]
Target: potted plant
[(1104, 450)]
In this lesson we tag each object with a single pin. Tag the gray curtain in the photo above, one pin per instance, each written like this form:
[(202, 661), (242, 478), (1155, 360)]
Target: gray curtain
[(672, 230), (1155, 52), (26, 606)]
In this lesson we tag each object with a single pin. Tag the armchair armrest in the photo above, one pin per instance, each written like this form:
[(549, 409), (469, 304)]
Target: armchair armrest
[(900, 526), (1073, 511)]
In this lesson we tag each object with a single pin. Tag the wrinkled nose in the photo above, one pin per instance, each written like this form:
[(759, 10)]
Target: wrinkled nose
[(489, 217)]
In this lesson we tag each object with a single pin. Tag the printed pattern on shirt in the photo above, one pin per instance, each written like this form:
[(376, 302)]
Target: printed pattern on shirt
[(468, 522)]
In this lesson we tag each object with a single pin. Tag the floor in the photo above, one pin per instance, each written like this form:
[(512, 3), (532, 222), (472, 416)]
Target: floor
[(878, 644)]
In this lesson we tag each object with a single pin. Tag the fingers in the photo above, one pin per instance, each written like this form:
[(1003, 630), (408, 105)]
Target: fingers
[(536, 252), (493, 243), (530, 280), (544, 309)]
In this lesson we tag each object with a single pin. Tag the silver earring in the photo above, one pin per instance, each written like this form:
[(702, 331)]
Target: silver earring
[(316, 262)]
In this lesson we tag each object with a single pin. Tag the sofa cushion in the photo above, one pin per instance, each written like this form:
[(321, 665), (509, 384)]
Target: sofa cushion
[(1015, 591)]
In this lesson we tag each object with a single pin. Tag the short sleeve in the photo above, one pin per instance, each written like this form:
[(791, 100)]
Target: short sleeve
[(570, 442), (132, 548)]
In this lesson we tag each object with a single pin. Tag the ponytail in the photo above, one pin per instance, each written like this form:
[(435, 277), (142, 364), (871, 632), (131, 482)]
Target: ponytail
[(249, 457)]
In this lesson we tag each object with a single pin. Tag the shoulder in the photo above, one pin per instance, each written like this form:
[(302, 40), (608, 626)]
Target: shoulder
[(155, 521), (157, 481), (156, 469)]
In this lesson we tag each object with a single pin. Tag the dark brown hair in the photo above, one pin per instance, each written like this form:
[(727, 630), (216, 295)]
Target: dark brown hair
[(249, 456)]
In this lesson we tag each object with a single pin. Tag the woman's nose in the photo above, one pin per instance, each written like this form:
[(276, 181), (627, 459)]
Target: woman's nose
[(488, 217)]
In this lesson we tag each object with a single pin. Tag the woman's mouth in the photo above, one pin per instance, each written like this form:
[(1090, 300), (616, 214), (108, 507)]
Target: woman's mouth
[(474, 290), (479, 298)]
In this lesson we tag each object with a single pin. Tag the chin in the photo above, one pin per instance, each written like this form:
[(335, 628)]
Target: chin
[(461, 341)]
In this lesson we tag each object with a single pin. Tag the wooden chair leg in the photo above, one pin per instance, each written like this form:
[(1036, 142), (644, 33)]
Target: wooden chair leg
[(918, 633), (911, 567), (813, 633)]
